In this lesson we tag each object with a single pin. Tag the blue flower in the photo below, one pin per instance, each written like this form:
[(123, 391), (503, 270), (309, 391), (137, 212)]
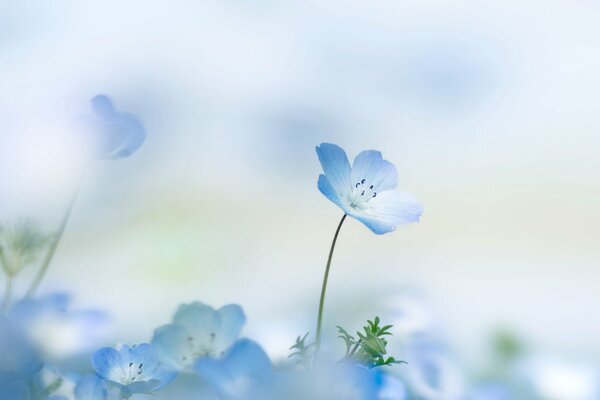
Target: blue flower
[(115, 134), (198, 331), (243, 373), (18, 359), (366, 191), (135, 369), (56, 328)]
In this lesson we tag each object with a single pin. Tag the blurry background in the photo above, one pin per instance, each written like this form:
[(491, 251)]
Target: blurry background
[(488, 110)]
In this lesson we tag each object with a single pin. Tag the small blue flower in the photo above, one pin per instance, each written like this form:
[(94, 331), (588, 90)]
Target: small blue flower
[(115, 134), (198, 331), (243, 373), (366, 191), (135, 369)]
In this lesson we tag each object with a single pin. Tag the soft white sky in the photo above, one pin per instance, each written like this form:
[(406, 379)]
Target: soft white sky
[(488, 110)]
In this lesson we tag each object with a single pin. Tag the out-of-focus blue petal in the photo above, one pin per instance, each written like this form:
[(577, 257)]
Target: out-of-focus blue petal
[(390, 387), (335, 166), (232, 320), (18, 358), (388, 210), (491, 391), (114, 134), (102, 106), (76, 330), (242, 372), (171, 343), (380, 173), (90, 387), (14, 390), (431, 371)]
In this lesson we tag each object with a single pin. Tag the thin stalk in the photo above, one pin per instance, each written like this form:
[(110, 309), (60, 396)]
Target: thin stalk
[(7, 294), (53, 245), (324, 289)]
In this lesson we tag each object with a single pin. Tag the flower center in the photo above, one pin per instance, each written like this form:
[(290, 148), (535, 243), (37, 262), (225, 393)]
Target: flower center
[(199, 349), (133, 373), (362, 192)]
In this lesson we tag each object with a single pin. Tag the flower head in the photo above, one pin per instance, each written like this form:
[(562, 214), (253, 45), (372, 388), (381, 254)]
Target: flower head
[(366, 190), (198, 331), (115, 134), (135, 369)]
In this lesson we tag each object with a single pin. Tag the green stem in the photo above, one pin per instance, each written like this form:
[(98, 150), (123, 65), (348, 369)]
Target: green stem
[(53, 246), (324, 289), (7, 294)]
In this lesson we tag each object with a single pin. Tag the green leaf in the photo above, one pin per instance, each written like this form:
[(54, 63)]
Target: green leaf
[(370, 348)]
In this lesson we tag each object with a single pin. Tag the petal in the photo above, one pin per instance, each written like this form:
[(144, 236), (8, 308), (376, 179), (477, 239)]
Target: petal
[(248, 357), (171, 344), (242, 371), (336, 166), (388, 210), (107, 362), (329, 192), (380, 173), (102, 106), (90, 388), (130, 133), (197, 317), (144, 354), (232, 320)]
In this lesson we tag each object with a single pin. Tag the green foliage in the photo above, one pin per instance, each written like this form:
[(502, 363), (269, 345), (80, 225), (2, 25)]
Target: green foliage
[(302, 351), (369, 348), (20, 246)]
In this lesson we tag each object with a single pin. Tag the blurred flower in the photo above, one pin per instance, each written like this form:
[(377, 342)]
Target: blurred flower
[(390, 387), (135, 369), (18, 358), (90, 387), (15, 391), (198, 331), (431, 372), (75, 387), (115, 134), (342, 381), (366, 191), (491, 391), (19, 362), (57, 329), (243, 372)]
